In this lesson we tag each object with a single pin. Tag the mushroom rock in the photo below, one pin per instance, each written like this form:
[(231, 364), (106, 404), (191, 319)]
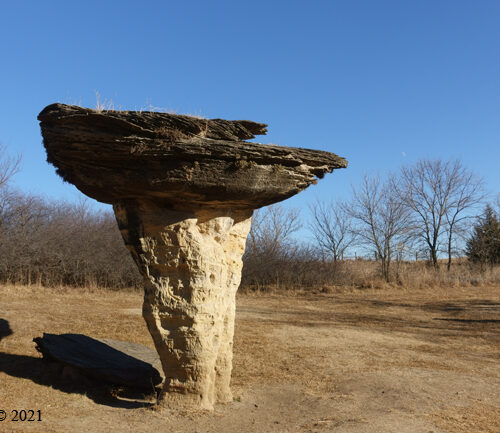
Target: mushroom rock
[(183, 190)]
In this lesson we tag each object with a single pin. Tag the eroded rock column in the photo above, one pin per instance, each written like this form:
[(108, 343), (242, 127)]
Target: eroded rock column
[(149, 165), (192, 265)]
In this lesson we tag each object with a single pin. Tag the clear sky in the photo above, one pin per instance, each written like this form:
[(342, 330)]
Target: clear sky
[(381, 83)]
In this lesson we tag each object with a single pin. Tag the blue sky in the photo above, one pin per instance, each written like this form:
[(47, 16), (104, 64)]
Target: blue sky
[(381, 83)]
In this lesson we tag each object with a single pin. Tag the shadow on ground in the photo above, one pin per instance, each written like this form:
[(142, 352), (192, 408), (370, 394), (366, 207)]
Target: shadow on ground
[(57, 376), (5, 330)]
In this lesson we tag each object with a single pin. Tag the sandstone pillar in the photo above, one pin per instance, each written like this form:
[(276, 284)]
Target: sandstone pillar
[(192, 264), (183, 190)]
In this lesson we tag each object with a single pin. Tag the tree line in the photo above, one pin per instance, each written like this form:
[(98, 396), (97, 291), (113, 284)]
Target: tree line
[(426, 212), (56, 243)]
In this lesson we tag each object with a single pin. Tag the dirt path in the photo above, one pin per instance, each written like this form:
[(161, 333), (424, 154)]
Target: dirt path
[(347, 362)]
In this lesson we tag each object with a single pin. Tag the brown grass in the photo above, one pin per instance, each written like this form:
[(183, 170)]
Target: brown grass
[(351, 361), (365, 274)]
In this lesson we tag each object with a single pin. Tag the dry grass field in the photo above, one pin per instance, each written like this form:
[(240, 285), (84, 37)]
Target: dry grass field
[(351, 361)]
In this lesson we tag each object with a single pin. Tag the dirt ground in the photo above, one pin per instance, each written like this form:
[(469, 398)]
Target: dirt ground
[(352, 361)]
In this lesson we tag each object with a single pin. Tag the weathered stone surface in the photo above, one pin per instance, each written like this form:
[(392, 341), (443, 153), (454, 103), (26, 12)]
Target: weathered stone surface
[(186, 162), (192, 263), (116, 362), (183, 190)]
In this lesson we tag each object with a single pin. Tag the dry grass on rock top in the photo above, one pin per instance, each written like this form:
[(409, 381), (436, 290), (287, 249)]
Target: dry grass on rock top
[(358, 361)]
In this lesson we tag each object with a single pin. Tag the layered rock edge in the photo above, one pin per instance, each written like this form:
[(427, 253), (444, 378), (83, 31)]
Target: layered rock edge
[(185, 162)]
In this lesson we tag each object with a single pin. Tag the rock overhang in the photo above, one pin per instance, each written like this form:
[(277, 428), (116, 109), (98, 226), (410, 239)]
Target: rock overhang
[(182, 161)]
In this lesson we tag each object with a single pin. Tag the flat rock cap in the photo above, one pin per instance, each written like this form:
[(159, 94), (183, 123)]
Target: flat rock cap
[(186, 162)]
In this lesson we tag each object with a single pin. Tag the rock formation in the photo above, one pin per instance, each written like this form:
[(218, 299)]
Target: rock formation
[(111, 361), (183, 190)]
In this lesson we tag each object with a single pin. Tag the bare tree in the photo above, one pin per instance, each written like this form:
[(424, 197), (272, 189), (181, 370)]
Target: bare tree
[(438, 194), (466, 192), (332, 228), (382, 219), (9, 166), (55, 242), (272, 228), (270, 246)]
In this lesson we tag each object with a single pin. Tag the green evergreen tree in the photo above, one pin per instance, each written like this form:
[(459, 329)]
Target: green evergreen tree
[(484, 244)]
